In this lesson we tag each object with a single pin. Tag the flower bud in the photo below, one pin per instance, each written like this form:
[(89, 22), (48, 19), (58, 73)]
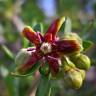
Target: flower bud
[(74, 36), (67, 64), (73, 78), (22, 56), (82, 73), (81, 61)]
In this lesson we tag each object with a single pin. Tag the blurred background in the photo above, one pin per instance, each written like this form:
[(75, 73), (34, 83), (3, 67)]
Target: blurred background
[(15, 14)]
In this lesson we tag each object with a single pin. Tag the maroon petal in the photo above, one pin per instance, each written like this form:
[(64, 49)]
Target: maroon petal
[(24, 68), (54, 54), (66, 46), (53, 64), (48, 37), (32, 36), (41, 39), (55, 26)]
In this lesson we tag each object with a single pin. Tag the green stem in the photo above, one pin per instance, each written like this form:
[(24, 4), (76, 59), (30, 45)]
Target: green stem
[(44, 87), (49, 94), (7, 51)]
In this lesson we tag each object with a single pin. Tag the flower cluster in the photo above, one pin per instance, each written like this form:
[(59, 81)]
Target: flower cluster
[(54, 55)]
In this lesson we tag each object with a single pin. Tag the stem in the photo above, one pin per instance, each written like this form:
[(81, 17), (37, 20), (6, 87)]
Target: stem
[(49, 94), (44, 87)]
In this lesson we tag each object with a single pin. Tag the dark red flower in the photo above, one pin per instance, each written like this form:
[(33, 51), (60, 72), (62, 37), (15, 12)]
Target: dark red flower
[(48, 47)]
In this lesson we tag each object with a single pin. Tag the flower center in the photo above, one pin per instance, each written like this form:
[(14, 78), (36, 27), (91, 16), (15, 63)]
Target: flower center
[(46, 48)]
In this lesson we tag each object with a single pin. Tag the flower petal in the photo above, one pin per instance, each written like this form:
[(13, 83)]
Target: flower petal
[(53, 64), (48, 37), (41, 39), (66, 46), (29, 33), (25, 68), (55, 26)]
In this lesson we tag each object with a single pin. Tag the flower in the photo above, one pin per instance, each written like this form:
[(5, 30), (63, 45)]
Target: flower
[(48, 48)]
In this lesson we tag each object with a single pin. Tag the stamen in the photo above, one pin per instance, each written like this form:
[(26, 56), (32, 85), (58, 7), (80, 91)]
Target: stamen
[(46, 48)]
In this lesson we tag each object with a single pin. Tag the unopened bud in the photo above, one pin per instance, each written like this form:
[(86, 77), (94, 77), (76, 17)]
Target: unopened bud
[(81, 61), (22, 56), (82, 74), (67, 64), (74, 36), (73, 79)]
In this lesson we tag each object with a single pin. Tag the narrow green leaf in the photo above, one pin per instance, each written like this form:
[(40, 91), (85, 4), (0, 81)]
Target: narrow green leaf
[(68, 25), (12, 85), (65, 28), (38, 27), (87, 44), (7, 51), (44, 87), (25, 43), (29, 73), (10, 82)]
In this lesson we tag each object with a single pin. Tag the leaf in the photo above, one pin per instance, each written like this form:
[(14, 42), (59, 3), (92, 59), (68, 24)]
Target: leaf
[(87, 44), (44, 87), (7, 51), (38, 27), (29, 73), (25, 43), (68, 25), (65, 28), (10, 82)]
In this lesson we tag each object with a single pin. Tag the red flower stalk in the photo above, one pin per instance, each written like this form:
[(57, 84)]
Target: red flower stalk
[(48, 47)]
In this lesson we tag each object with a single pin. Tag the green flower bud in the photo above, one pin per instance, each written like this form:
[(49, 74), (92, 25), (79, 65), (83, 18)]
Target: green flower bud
[(81, 61), (74, 36), (67, 64), (73, 78), (82, 74), (44, 69), (22, 56)]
